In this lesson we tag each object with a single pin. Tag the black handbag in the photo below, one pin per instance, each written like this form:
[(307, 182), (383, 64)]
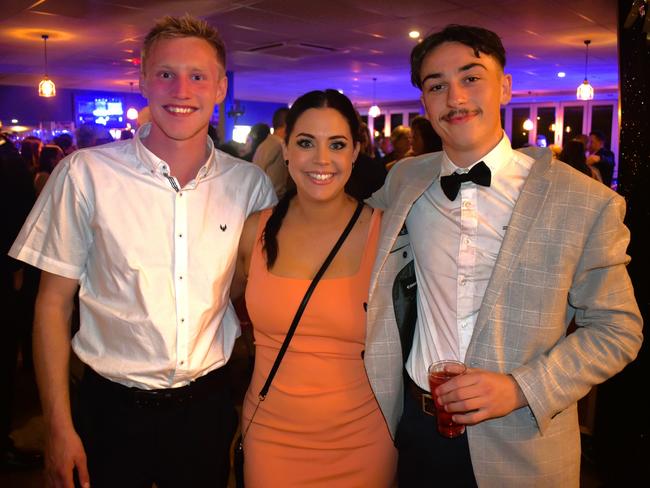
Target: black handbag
[(238, 459)]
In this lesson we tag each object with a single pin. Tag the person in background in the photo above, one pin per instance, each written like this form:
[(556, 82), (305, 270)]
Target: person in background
[(400, 139), (509, 246), (268, 155), (600, 158), (320, 425), (16, 201), (573, 154), (147, 229), (30, 151), (51, 154), (65, 142), (368, 172), (424, 138), (257, 135)]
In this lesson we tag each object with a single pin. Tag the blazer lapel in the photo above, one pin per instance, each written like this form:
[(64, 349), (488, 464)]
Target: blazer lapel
[(527, 207), (395, 216)]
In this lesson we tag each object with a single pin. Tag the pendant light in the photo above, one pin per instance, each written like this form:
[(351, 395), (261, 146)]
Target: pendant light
[(585, 91), (46, 88), (374, 110)]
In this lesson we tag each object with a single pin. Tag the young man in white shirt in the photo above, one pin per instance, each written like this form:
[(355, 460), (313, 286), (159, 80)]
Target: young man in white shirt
[(148, 230), (508, 247)]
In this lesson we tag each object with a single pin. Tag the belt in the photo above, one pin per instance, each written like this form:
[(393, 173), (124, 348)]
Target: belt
[(422, 397), (197, 389)]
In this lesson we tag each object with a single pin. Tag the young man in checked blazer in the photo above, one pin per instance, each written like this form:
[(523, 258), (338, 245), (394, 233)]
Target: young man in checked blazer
[(506, 253)]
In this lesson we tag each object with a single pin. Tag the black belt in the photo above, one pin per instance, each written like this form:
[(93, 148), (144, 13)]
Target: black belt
[(197, 389), (422, 397)]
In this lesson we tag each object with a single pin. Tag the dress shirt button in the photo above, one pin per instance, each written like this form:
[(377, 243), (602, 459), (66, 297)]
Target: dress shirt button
[(467, 240), (182, 363), (180, 235), (182, 320), (462, 281), (180, 194), (467, 204), (180, 277), (463, 324)]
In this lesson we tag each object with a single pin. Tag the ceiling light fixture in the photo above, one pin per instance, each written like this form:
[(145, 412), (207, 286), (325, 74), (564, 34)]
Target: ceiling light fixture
[(374, 110), (414, 34), (132, 112), (585, 91), (46, 88), (561, 74)]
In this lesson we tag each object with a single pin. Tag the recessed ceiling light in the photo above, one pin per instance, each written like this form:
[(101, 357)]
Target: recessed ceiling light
[(414, 34), (561, 74), (14, 121)]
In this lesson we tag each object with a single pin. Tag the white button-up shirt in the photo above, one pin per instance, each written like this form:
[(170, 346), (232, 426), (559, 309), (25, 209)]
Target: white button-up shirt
[(456, 245), (154, 261)]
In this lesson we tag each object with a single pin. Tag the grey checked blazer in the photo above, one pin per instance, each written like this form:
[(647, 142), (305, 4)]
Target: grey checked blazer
[(563, 256)]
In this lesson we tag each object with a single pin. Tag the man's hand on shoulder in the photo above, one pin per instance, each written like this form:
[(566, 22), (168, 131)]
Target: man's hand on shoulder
[(480, 395), (63, 453)]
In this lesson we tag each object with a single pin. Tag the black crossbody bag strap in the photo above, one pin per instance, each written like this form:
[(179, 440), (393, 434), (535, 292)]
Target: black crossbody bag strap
[(301, 308)]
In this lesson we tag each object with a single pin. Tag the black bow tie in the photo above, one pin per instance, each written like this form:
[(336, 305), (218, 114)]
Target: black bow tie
[(479, 174)]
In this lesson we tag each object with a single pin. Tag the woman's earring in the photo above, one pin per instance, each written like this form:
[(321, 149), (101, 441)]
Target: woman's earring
[(286, 161)]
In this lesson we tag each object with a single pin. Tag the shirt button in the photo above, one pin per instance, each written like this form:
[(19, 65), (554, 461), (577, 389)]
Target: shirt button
[(467, 204), (467, 240), (182, 363), (180, 194), (180, 235), (180, 277), (463, 281), (182, 320)]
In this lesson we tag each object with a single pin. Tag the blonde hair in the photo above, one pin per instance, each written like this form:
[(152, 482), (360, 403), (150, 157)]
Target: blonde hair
[(186, 26)]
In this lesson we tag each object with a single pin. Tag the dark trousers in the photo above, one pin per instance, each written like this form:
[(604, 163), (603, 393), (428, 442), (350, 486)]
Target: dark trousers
[(425, 457), (9, 334), (134, 440)]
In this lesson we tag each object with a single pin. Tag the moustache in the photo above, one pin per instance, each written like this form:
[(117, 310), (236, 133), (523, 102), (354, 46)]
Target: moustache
[(458, 113)]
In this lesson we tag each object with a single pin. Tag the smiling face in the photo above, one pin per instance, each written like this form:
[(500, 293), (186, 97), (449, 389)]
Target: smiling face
[(182, 81), (320, 151), (462, 95)]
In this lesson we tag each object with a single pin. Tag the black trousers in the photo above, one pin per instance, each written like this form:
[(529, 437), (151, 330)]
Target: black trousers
[(134, 441), (425, 457)]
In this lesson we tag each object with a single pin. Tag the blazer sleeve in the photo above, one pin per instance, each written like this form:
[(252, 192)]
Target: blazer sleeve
[(609, 332)]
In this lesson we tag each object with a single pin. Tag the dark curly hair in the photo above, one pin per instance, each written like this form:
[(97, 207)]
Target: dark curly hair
[(479, 39)]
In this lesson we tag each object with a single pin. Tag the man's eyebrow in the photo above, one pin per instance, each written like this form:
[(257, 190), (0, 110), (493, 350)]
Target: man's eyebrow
[(466, 67), (469, 66)]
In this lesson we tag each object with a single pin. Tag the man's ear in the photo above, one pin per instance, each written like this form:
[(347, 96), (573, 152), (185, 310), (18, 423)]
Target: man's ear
[(222, 89), (142, 85), (506, 88)]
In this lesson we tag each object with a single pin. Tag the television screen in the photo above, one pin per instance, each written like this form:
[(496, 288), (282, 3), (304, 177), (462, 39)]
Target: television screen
[(106, 111)]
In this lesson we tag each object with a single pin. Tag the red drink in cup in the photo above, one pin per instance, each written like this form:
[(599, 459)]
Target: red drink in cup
[(440, 372)]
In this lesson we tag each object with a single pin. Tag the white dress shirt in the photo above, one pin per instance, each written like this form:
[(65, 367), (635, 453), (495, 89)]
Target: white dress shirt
[(456, 244), (154, 264)]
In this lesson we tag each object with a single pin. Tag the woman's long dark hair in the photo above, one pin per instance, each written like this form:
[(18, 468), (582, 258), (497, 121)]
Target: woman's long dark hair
[(314, 99)]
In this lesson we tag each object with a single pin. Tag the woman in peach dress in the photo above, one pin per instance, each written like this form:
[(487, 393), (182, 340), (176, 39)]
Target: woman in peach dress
[(320, 424)]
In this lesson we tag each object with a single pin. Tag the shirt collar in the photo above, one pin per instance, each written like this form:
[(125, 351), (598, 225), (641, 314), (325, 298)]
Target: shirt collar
[(496, 159), (155, 165)]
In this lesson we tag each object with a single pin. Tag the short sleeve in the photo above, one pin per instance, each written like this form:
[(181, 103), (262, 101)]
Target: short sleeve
[(57, 235)]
